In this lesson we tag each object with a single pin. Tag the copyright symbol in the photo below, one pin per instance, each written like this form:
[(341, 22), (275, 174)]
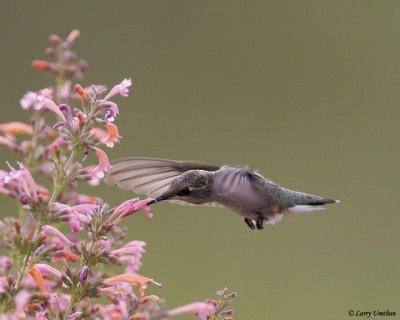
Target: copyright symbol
[(351, 313)]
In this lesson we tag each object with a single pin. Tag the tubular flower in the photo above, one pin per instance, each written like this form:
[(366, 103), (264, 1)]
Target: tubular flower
[(50, 105), (104, 165), (148, 298), (79, 90), (112, 135), (30, 98), (4, 141), (45, 268), (129, 207), (132, 278), (37, 276), (112, 110), (122, 89), (131, 253), (11, 128), (53, 231), (24, 181), (76, 215), (201, 309)]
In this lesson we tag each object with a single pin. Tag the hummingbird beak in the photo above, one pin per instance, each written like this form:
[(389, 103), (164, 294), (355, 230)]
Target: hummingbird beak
[(159, 198)]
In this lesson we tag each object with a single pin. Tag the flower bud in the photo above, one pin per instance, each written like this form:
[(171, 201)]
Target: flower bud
[(24, 199), (55, 39), (17, 226), (84, 274)]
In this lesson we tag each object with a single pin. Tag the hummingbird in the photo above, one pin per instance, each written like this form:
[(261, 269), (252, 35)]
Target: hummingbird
[(242, 190)]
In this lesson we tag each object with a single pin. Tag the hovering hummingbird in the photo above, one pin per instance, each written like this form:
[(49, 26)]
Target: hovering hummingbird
[(242, 190)]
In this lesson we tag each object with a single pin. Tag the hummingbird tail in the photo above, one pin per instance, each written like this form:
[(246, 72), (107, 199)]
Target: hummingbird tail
[(298, 202), (294, 198)]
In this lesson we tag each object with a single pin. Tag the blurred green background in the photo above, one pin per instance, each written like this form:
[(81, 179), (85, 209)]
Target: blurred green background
[(305, 91)]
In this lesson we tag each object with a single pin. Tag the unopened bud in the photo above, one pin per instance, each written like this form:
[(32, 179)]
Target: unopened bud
[(40, 64), (112, 298), (83, 65), (24, 199), (84, 274), (74, 34), (227, 312), (69, 55), (54, 39), (80, 115), (17, 226), (79, 90), (50, 52)]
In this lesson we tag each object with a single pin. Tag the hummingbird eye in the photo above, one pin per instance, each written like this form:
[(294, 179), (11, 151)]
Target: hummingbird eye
[(184, 192)]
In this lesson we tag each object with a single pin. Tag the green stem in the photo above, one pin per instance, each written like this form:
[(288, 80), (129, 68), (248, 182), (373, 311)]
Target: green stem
[(69, 309), (60, 177), (26, 259), (22, 270)]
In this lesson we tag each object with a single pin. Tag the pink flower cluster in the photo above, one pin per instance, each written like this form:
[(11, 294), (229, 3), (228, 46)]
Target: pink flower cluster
[(50, 273)]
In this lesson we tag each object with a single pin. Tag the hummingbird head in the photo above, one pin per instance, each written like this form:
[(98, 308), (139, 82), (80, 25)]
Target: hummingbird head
[(193, 186)]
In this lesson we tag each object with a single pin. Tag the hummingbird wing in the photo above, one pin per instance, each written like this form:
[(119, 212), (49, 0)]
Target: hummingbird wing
[(149, 176), (239, 185)]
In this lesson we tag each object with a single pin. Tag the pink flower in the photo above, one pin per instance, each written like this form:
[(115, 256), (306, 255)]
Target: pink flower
[(5, 263), (122, 89), (112, 110), (46, 229), (91, 176), (50, 105), (11, 128), (106, 244), (132, 278), (122, 289), (131, 253), (201, 309), (104, 165), (112, 135), (74, 215), (30, 98), (59, 303), (129, 207), (98, 133), (41, 315), (4, 284), (21, 300), (24, 181), (74, 315), (45, 268), (4, 141)]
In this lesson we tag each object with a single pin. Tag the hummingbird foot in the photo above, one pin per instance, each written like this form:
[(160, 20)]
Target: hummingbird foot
[(249, 223), (259, 223)]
